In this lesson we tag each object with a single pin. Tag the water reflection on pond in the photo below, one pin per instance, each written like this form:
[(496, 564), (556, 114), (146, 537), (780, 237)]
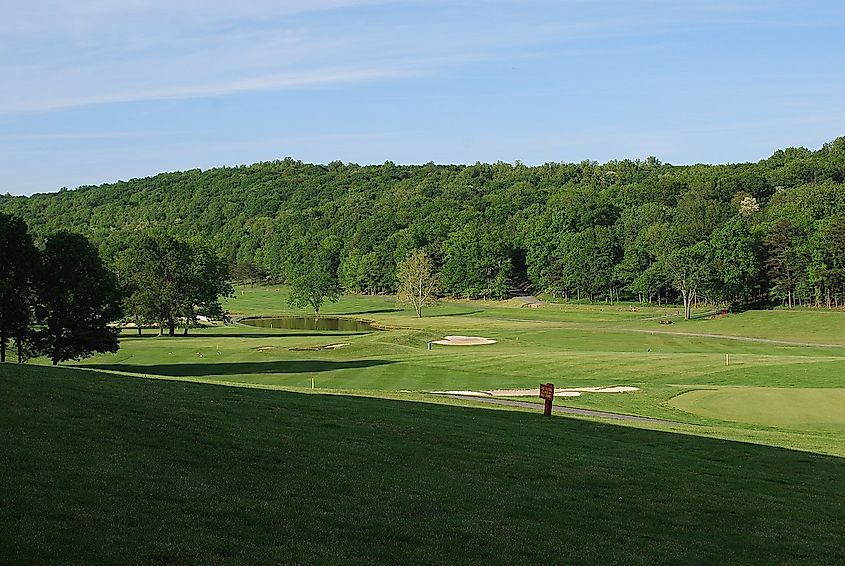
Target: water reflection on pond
[(310, 323)]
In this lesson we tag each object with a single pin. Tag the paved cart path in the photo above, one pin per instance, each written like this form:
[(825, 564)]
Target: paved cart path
[(567, 410)]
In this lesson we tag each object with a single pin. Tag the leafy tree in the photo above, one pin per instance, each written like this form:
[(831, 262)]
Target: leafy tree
[(589, 257), (418, 283), (78, 298), (477, 263), (19, 260), (207, 281), (826, 269), (247, 273), (155, 270), (736, 256), (172, 281), (488, 225), (360, 272), (312, 276), (783, 261), (689, 271)]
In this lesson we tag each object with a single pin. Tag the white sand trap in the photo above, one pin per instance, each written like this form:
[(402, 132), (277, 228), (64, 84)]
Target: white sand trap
[(563, 392), (530, 393), (464, 341), (461, 392), (319, 348)]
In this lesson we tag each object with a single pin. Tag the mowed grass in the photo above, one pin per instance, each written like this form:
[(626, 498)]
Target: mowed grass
[(567, 344), (819, 409), (105, 468)]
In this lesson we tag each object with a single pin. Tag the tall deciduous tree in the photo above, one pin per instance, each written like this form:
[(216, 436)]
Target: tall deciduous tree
[(783, 261), (477, 263), (172, 281), (18, 266), (737, 260), (78, 298), (417, 281), (312, 273), (689, 270), (208, 280)]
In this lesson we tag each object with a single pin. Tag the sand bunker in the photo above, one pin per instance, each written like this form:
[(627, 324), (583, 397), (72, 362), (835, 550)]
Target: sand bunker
[(464, 341), (564, 392), (319, 348)]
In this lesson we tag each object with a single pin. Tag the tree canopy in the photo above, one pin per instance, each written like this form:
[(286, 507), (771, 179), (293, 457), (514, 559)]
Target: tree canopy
[(79, 297), (171, 281), (312, 272), (418, 285), (19, 260), (771, 229)]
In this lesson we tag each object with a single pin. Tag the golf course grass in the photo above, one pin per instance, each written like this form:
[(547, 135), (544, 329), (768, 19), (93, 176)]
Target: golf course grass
[(117, 469), (571, 345), (778, 407)]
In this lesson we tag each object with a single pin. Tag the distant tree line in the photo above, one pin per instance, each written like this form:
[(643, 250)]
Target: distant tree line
[(771, 231)]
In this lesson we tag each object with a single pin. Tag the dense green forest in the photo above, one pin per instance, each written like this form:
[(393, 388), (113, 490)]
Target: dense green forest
[(639, 230)]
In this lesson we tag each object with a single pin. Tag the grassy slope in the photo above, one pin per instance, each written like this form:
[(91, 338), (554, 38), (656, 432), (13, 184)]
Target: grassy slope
[(571, 345), (107, 468)]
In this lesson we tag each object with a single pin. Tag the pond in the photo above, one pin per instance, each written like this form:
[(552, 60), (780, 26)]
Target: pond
[(310, 323)]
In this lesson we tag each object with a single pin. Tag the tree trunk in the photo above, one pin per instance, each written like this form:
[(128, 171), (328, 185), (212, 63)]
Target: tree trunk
[(185, 331), (171, 327), (20, 347), (4, 340)]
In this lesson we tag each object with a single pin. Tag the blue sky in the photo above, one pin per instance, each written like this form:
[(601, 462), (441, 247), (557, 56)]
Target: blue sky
[(97, 90)]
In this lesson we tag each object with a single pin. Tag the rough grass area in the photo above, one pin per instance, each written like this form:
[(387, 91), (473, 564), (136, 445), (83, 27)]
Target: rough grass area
[(105, 468)]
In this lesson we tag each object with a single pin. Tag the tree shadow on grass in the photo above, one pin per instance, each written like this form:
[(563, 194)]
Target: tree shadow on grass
[(236, 368), (373, 311), (465, 313)]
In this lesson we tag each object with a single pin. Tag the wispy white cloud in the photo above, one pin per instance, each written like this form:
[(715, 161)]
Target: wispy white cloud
[(71, 136), (59, 54), (277, 82)]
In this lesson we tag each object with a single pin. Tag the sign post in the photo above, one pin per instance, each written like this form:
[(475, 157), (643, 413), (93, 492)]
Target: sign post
[(547, 392)]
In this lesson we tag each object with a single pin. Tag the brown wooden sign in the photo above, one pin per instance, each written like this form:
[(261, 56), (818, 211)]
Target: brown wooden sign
[(547, 392)]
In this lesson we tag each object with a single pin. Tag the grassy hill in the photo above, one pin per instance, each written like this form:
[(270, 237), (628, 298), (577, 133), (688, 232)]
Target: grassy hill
[(105, 468), (795, 390)]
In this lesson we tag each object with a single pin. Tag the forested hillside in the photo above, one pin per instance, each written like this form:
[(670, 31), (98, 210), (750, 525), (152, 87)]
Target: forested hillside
[(772, 230)]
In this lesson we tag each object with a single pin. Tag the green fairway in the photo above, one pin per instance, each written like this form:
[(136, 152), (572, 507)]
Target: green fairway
[(819, 409), (570, 345), (104, 468)]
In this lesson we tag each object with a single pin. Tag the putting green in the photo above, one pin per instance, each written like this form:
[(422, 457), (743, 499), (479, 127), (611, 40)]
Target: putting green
[(806, 408)]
